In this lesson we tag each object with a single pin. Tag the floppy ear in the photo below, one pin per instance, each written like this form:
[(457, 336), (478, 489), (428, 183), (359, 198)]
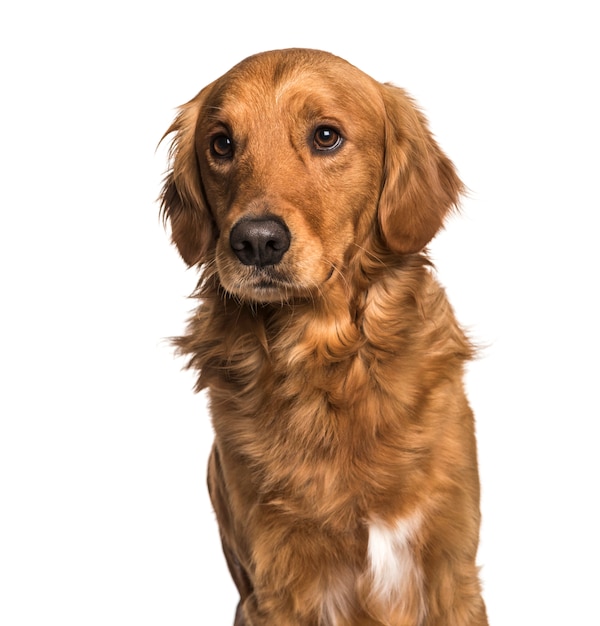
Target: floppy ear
[(420, 183), (182, 198)]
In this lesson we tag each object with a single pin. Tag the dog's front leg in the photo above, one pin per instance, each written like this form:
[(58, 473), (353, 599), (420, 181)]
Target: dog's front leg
[(251, 612), (241, 580), (218, 496), (239, 617)]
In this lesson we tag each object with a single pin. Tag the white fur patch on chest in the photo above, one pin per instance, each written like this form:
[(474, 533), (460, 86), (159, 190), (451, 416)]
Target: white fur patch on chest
[(396, 577)]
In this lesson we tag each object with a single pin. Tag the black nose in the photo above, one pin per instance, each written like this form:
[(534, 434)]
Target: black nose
[(260, 241)]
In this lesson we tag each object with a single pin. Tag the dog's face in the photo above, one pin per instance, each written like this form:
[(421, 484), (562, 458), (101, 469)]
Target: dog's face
[(287, 164), (290, 156)]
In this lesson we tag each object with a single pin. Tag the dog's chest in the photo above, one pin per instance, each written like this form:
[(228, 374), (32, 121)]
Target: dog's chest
[(396, 576), (390, 580), (306, 416)]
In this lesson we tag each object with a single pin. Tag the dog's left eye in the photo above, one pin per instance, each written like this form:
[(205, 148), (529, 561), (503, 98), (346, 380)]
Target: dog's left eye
[(326, 138)]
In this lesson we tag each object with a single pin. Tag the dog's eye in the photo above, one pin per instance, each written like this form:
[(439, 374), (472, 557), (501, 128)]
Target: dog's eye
[(326, 138), (221, 146)]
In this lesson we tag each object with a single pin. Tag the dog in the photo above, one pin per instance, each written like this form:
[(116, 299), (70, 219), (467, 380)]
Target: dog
[(344, 468)]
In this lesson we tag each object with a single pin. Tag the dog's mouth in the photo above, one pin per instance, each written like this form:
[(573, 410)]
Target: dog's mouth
[(264, 284)]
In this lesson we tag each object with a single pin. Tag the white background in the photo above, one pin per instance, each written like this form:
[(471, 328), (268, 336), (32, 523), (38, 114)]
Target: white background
[(104, 515)]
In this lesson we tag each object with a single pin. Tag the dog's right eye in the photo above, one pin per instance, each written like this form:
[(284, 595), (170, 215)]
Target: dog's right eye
[(221, 146)]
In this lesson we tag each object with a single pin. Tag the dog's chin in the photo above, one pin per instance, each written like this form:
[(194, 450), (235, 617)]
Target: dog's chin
[(262, 287)]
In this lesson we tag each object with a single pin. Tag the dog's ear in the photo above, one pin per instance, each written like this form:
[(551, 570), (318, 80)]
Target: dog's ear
[(420, 183), (182, 198)]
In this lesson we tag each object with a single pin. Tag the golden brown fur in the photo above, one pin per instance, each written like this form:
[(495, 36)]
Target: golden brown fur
[(334, 372)]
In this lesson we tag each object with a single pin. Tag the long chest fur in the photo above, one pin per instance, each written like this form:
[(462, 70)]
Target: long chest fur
[(324, 406)]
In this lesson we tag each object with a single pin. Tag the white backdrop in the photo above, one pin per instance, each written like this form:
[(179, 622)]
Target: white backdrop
[(104, 517)]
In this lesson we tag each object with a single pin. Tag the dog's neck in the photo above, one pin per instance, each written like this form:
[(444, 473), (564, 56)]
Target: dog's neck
[(229, 339)]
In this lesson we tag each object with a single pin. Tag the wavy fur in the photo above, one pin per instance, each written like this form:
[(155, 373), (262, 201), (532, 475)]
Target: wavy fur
[(334, 376)]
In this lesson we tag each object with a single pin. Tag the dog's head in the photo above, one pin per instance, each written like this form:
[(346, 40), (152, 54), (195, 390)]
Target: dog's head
[(286, 165)]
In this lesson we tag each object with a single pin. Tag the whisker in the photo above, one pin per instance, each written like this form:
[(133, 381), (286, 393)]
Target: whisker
[(370, 253)]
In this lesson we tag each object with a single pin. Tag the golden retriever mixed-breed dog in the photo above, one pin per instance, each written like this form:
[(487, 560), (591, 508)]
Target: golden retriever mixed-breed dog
[(344, 471)]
